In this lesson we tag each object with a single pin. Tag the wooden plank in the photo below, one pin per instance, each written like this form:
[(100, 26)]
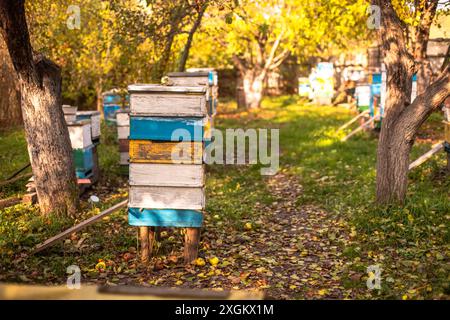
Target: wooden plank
[(179, 105), (123, 132), (94, 117), (361, 127), (78, 227), (188, 198), (147, 151), (80, 135), (362, 114), (123, 118), (165, 217), (121, 292), (69, 118), (17, 178), (124, 145), (67, 109), (167, 129), (124, 158), (167, 175), (423, 158), (157, 88), (8, 202)]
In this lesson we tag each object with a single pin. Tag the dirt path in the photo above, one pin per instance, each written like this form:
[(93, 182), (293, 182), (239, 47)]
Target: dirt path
[(291, 252)]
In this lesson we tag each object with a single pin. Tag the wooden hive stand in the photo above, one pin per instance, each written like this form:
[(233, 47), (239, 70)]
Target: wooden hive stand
[(167, 176)]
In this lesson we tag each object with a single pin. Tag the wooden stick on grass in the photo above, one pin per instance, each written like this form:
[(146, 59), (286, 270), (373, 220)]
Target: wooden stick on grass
[(68, 232)]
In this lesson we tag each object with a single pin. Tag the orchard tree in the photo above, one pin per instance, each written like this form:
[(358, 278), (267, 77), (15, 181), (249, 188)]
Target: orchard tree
[(402, 117), (258, 36), (45, 129)]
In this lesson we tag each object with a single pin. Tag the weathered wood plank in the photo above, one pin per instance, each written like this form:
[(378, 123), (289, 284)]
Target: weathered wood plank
[(80, 134), (179, 105), (69, 118), (434, 149), (167, 129), (8, 202), (123, 118), (67, 109), (79, 226), (157, 88), (147, 151), (167, 197), (124, 158), (167, 175), (165, 218), (94, 117), (123, 132)]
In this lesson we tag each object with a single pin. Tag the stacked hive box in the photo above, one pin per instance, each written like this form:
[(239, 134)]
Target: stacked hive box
[(123, 131), (112, 102), (94, 118), (83, 131), (199, 78), (70, 113), (166, 170)]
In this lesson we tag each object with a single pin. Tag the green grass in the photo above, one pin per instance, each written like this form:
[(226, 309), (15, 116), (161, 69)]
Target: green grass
[(340, 177), (410, 242), (13, 156)]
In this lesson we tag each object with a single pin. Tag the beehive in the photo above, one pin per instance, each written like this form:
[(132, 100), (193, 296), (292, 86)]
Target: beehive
[(123, 131), (94, 117), (168, 127)]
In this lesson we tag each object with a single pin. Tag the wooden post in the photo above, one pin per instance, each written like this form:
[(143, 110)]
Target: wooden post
[(191, 240), (144, 236), (437, 147), (152, 237)]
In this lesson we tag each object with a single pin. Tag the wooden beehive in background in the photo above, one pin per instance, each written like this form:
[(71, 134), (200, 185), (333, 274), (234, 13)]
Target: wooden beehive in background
[(123, 131), (94, 117), (70, 113), (205, 78)]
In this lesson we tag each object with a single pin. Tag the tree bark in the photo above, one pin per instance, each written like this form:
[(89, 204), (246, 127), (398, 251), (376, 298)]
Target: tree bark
[(46, 132), (253, 84), (99, 96), (185, 54), (402, 119), (420, 38)]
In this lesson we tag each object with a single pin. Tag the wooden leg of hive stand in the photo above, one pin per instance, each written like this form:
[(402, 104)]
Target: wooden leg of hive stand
[(144, 238), (152, 237), (191, 240)]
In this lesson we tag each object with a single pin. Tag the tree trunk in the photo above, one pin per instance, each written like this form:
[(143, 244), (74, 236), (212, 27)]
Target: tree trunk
[(253, 86), (46, 132), (187, 47), (421, 36), (402, 118), (163, 62), (99, 95)]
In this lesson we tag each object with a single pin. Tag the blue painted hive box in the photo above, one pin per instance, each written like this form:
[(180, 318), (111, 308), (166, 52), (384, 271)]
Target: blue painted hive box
[(165, 218), (167, 129)]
